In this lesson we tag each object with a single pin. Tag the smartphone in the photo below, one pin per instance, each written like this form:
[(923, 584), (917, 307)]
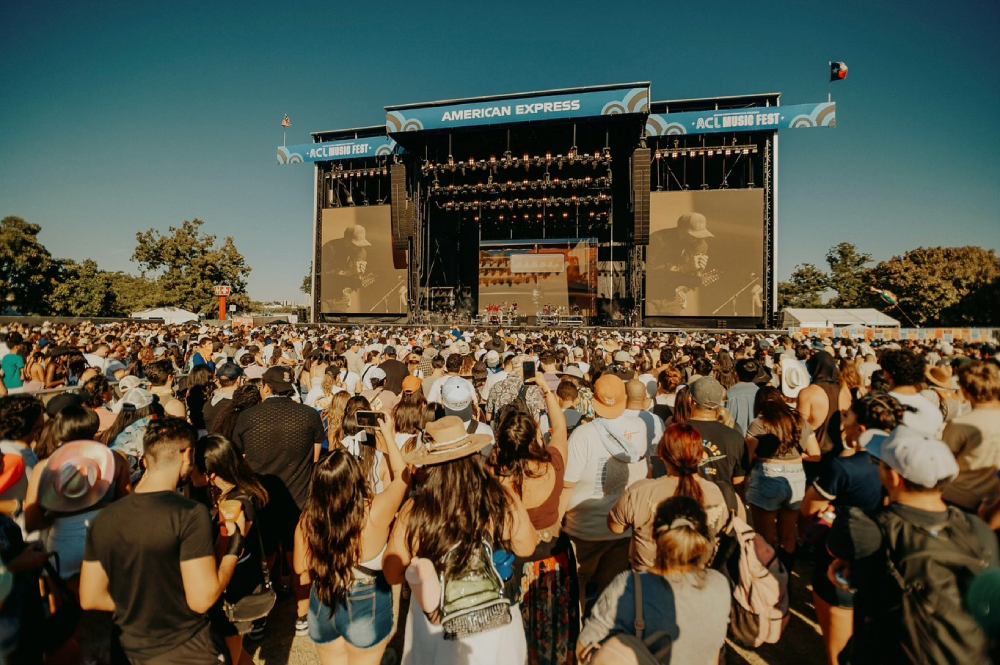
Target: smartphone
[(528, 368), (369, 419)]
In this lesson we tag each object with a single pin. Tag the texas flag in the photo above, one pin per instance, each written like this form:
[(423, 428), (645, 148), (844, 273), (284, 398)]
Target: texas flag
[(286, 122), (838, 71)]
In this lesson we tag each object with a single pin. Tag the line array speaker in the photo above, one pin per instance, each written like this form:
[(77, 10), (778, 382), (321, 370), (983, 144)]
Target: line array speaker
[(403, 215), (640, 194)]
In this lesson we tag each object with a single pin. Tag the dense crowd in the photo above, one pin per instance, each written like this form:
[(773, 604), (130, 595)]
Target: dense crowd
[(493, 496)]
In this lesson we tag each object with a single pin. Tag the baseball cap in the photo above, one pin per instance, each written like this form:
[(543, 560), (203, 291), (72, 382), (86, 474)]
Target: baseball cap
[(708, 393), (229, 371), (623, 357), (412, 384), (609, 396), (456, 397), (492, 359), (375, 373), (60, 402), (278, 379), (138, 398), (572, 370), (921, 460)]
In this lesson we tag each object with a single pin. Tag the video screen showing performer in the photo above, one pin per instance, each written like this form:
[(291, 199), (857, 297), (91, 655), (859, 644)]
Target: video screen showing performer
[(706, 253), (357, 272)]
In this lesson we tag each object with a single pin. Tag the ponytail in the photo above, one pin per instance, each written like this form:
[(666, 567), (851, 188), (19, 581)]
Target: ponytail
[(681, 448)]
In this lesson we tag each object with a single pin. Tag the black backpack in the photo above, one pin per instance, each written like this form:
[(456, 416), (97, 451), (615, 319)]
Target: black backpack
[(932, 569)]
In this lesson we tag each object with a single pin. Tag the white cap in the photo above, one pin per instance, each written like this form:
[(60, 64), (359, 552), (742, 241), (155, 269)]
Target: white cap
[(456, 394)]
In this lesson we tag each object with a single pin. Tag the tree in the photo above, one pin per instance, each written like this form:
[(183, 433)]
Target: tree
[(133, 293), (27, 271), (188, 265), (942, 285), (83, 290), (804, 288), (848, 275), (307, 283)]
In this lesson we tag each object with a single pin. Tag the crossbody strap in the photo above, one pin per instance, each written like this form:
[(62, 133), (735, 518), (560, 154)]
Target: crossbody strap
[(640, 620)]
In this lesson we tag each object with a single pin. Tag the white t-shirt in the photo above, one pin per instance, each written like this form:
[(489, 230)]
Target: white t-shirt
[(601, 477), (96, 361), (654, 429), (926, 417)]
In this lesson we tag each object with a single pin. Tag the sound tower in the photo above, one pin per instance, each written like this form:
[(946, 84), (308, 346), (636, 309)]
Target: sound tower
[(640, 194), (403, 215)]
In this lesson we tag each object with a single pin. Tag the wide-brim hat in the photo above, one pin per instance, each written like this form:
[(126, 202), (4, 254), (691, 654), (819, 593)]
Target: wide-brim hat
[(76, 476), (794, 377), (445, 440), (572, 370), (941, 377)]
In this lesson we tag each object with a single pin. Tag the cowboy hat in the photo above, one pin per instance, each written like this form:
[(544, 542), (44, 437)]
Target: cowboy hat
[(794, 377), (445, 440), (76, 476), (941, 376)]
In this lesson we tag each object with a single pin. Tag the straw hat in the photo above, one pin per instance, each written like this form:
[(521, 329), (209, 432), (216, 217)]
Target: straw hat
[(76, 476), (941, 376), (445, 440)]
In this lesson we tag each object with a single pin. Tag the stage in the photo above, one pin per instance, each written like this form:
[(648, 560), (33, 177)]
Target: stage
[(569, 207)]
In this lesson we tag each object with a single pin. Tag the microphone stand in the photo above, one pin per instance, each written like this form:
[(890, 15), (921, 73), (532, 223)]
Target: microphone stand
[(732, 299)]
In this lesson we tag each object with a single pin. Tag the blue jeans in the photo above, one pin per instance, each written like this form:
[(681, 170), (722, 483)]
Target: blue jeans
[(363, 619), (775, 486)]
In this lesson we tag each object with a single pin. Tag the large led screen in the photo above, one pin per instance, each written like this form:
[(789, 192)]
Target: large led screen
[(538, 277), (357, 274), (706, 253)]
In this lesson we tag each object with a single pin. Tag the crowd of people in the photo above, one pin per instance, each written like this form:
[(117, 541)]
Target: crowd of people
[(493, 496)]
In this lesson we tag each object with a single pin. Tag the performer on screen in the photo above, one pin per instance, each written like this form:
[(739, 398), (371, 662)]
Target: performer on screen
[(682, 255)]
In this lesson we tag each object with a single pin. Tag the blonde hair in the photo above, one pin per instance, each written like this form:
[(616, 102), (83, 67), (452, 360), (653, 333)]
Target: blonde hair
[(981, 381), (334, 413), (682, 538)]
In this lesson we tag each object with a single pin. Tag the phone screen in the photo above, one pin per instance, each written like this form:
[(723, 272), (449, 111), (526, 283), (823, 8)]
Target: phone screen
[(529, 370), (369, 419)]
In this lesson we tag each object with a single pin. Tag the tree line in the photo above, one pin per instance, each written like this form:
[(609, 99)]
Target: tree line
[(935, 286), (177, 268)]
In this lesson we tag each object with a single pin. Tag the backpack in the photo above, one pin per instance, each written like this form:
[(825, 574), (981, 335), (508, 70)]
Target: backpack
[(473, 600), (759, 611), (932, 569), (629, 649)]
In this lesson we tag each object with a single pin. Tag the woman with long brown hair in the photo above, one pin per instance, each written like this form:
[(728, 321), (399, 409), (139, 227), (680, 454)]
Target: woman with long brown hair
[(534, 471), (340, 542), (778, 440), (457, 515), (681, 451), (355, 438), (679, 595)]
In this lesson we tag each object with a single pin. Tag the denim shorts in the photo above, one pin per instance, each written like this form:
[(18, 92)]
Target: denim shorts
[(775, 486), (364, 619)]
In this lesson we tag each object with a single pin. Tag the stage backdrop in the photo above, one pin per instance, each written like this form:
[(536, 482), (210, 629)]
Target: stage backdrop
[(539, 273), (706, 253), (357, 274)]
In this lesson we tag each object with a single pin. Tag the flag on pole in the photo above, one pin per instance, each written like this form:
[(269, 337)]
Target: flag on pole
[(286, 122), (885, 294), (838, 71)]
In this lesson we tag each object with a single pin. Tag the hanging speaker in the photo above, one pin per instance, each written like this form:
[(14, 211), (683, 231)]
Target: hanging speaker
[(640, 194), (403, 212)]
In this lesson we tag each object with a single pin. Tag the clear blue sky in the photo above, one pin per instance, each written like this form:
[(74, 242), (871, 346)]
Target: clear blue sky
[(120, 116)]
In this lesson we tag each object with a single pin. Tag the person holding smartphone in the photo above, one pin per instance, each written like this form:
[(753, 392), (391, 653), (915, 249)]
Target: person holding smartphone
[(339, 545)]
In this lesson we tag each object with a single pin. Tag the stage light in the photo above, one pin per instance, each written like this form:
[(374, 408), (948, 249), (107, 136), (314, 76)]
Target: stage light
[(674, 154), (711, 153), (746, 151), (728, 152), (500, 218), (565, 215)]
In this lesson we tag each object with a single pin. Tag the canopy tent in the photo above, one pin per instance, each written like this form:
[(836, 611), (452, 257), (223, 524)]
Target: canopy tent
[(796, 317), (170, 315)]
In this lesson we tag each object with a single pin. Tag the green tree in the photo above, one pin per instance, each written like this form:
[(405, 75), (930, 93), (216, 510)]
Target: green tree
[(133, 293), (849, 275), (307, 286), (941, 285), (188, 264), (27, 270), (804, 288), (83, 290)]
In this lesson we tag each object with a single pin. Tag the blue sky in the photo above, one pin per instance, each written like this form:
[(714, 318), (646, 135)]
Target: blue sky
[(120, 116)]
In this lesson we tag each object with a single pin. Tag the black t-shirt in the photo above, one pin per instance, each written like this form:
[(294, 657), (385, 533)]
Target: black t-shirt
[(212, 411), (277, 436), (724, 451), (395, 372), (850, 481), (140, 541)]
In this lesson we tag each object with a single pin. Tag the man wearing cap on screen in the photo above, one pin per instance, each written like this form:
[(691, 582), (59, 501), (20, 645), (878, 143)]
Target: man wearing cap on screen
[(681, 255)]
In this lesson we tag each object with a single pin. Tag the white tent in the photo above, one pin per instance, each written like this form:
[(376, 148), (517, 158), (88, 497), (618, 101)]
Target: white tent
[(170, 315), (796, 317)]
